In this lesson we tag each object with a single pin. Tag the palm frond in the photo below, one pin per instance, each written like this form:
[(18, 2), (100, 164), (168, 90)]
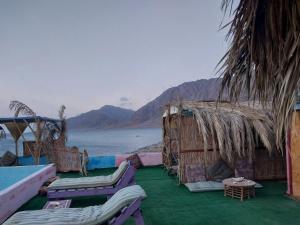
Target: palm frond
[(61, 112), (62, 117), (264, 54), (231, 128), (21, 108)]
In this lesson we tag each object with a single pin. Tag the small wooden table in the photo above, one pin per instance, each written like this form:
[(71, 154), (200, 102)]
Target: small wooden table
[(239, 189), (59, 204)]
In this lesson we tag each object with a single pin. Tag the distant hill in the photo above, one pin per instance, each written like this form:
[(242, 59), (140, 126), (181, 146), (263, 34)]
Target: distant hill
[(104, 118), (150, 114)]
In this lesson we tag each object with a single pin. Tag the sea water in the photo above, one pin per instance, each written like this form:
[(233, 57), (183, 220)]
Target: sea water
[(99, 142)]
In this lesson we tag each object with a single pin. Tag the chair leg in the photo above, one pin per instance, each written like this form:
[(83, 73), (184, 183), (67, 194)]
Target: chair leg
[(138, 217)]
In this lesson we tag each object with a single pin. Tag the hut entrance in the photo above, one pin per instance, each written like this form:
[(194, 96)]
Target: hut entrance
[(171, 144)]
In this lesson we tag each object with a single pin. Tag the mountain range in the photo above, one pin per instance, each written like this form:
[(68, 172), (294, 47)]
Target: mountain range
[(150, 114), (104, 118)]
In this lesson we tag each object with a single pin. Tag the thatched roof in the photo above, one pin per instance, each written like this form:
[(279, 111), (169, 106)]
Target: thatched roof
[(264, 55), (233, 129)]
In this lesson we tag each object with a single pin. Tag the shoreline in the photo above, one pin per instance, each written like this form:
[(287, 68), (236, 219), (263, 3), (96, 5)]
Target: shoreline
[(157, 147)]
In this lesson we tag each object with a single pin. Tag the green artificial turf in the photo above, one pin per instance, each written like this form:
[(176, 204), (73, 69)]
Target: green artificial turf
[(168, 203)]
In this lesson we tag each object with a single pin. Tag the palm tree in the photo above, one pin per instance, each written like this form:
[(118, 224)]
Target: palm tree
[(264, 55)]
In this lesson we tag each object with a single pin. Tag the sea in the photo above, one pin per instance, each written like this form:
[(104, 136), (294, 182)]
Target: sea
[(98, 142)]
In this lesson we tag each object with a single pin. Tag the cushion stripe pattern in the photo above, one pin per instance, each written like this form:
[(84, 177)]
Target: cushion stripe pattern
[(92, 215), (90, 182)]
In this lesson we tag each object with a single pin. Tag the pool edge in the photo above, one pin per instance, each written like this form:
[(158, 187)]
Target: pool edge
[(19, 193)]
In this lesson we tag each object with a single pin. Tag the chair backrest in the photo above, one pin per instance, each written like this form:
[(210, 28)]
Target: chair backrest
[(121, 199), (120, 171)]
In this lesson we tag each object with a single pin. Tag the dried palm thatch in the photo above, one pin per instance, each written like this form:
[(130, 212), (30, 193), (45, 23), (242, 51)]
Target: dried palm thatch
[(20, 107), (62, 117), (234, 130), (264, 55)]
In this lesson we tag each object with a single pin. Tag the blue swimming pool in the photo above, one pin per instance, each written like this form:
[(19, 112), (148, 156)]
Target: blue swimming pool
[(18, 184), (13, 174)]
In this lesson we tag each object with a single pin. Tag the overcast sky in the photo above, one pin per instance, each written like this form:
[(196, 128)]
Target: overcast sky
[(86, 54)]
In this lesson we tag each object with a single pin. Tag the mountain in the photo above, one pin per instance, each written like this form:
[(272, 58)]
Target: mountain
[(150, 114), (106, 117)]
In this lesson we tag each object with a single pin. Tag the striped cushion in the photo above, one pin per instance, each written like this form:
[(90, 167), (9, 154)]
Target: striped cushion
[(119, 172), (86, 182), (122, 198), (92, 215), (85, 216)]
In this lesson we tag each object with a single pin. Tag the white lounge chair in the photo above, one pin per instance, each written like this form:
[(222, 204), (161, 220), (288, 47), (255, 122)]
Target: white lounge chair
[(97, 185), (123, 204)]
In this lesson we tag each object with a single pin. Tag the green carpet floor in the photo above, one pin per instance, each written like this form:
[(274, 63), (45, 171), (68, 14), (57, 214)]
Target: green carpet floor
[(168, 203)]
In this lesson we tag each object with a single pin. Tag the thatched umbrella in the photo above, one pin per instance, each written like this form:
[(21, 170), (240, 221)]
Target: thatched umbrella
[(16, 130), (45, 133), (264, 55)]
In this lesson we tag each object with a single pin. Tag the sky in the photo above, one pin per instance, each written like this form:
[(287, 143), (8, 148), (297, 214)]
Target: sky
[(89, 53)]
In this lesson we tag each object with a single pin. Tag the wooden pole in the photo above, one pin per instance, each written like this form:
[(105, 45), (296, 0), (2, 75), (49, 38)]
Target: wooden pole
[(289, 164), (17, 151)]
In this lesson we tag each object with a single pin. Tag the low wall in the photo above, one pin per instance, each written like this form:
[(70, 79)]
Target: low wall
[(99, 162)]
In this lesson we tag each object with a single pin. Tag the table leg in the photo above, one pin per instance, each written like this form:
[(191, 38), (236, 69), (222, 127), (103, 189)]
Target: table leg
[(242, 194), (249, 192)]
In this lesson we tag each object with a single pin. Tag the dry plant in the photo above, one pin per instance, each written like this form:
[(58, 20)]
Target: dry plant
[(62, 117), (263, 57), (45, 132), (21, 108)]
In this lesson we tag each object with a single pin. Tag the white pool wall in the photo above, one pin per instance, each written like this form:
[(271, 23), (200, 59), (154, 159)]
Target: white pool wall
[(14, 196)]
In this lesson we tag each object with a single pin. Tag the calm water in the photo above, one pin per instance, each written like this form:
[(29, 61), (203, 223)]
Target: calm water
[(104, 142), (11, 175)]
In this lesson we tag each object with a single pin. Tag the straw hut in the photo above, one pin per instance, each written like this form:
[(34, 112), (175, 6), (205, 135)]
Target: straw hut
[(263, 58), (200, 137)]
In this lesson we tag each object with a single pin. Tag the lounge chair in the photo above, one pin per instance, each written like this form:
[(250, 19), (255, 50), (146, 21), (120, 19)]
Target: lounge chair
[(122, 205), (97, 185)]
